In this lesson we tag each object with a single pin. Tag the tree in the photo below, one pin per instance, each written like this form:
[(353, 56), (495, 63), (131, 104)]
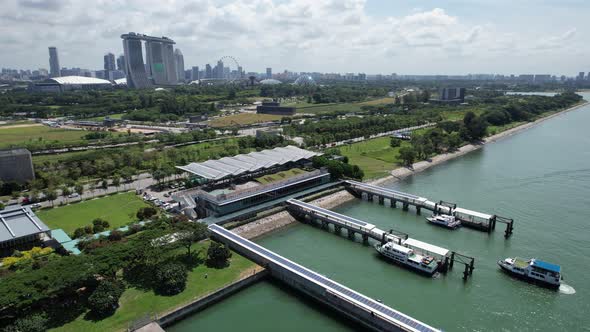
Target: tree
[(454, 141), (395, 142), (51, 195), (99, 225), (407, 155), (170, 279), (79, 189), (105, 299), (2, 206), (115, 235), (116, 181), (218, 255), (189, 233), (146, 213)]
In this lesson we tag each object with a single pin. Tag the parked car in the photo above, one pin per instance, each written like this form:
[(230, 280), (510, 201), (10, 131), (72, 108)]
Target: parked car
[(35, 206), (73, 195)]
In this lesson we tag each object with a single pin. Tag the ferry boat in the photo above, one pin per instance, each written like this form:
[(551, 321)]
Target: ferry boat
[(444, 221), (408, 258), (533, 270)]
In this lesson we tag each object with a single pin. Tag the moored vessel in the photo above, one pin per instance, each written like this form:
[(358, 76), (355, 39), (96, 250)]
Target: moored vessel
[(407, 257), (444, 221)]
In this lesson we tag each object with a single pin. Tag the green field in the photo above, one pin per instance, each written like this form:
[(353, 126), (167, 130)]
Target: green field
[(375, 156), (136, 303), (116, 116), (242, 119), (304, 107), (279, 176), (15, 136), (118, 210)]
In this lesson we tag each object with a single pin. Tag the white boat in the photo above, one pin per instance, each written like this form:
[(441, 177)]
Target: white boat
[(444, 221), (408, 258), (533, 270)]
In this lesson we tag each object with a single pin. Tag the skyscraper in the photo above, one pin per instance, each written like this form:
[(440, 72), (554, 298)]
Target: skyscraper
[(134, 67), (109, 62), (54, 68), (268, 72), (121, 62), (168, 53), (208, 71), (219, 69), (195, 73), (179, 63)]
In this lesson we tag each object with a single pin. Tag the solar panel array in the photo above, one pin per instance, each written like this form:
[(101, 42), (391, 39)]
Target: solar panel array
[(386, 190), (327, 212), (393, 315), (246, 163)]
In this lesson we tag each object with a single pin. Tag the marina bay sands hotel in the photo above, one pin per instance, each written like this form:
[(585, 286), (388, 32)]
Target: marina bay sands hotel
[(159, 68)]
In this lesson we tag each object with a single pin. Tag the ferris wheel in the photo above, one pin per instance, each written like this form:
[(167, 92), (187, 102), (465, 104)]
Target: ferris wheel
[(232, 62)]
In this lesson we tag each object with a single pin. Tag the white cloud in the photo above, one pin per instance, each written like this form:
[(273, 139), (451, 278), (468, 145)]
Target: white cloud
[(322, 35)]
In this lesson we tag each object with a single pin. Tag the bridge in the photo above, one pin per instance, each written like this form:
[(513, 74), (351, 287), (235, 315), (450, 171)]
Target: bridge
[(469, 218), (356, 306)]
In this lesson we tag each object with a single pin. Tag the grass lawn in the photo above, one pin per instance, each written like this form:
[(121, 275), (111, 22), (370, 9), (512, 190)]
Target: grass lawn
[(243, 119), (375, 156), (379, 101), (13, 136), (135, 303), (279, 176), (304, 107), (118, 210), (117, 116)]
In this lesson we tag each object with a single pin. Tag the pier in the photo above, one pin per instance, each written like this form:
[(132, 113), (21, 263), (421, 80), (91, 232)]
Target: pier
[(359, 308), (310, 213), (473, 219)]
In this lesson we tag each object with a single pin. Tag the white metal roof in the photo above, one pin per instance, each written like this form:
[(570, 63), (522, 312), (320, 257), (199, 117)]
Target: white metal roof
[(121, 81), (473, 213), (426, 247), (244, 163), (79, 80)]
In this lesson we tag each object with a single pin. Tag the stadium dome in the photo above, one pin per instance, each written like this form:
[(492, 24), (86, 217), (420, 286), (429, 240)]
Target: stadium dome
[(304, 80), (270, 81)]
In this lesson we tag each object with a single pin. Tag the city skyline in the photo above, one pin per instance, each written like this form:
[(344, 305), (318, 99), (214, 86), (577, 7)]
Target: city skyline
[(326, 36)]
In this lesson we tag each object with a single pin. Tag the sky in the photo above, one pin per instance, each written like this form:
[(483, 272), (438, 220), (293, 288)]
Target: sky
[(368, 36)]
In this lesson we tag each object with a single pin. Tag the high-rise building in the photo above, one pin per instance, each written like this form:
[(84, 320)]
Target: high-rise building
[(581, 76), (268, 72), (54, 68), (168, 52), (159, 68), (135, 69), (109, 62), (179, 63), (218, 70), (195, 73), (208, 71), (121, 62)]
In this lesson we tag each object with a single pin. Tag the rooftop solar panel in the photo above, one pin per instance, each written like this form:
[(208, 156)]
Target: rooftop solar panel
[(328, 212)]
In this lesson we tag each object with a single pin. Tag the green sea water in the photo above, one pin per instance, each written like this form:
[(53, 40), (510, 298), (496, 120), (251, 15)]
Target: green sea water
[(540, 177)]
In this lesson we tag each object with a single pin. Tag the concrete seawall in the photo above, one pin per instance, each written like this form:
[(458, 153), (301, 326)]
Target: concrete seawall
[(212, 298)]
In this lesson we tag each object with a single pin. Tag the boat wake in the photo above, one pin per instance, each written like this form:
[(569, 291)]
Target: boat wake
[(566, 289)]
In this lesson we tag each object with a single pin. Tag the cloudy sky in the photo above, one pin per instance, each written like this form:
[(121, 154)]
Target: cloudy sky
[(371, 36)]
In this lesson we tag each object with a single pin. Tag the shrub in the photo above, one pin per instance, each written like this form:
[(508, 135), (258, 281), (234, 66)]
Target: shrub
[(105, 298), (33, 323), (79, 232), (218, 255), (116, 235), (171, 278), (146, 213)]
